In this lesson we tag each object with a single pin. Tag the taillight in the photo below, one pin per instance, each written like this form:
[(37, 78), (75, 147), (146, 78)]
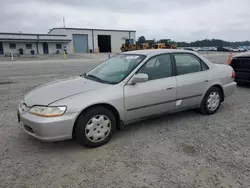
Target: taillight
[(233, 74)]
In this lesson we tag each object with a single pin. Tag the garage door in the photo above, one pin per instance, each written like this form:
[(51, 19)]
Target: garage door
[(80, 43)]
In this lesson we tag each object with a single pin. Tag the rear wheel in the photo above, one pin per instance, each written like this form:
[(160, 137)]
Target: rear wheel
[(95, 127), (211, 101)]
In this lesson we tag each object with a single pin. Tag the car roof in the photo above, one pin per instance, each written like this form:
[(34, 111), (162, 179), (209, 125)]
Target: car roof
[(151, 52), (244, 54)]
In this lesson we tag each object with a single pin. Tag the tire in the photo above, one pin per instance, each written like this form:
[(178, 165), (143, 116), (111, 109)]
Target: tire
[(95, 127), (215, 97)]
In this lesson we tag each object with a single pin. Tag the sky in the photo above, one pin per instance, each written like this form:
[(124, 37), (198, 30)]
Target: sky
[(179, 20)]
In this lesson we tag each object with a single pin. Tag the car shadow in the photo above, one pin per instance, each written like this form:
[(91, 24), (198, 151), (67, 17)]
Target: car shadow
[(56, 146), (38, 146), (163, 121), (157, 119)]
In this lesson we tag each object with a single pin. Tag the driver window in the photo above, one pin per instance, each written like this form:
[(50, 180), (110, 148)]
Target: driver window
[(158, 67)]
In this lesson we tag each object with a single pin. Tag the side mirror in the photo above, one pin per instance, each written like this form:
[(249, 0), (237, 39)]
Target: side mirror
[(138, 78)]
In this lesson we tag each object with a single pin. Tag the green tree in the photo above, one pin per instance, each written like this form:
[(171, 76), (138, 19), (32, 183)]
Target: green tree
[(141, 39)]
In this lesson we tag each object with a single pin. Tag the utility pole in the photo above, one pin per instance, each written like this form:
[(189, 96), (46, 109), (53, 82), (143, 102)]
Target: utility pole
[(63, 21)]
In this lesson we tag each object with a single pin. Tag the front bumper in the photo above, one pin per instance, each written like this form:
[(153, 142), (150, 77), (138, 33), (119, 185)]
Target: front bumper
[(48, 129)]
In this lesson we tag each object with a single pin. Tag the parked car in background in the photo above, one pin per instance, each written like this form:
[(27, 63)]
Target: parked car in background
[(198, 49), (123, 89), (223, 49), (213, 48), (206, 48), (241, 49), (235, 49), (189, 48), (241, 65)]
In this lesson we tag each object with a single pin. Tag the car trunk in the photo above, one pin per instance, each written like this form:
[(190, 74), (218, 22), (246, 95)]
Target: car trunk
[(241, 66)]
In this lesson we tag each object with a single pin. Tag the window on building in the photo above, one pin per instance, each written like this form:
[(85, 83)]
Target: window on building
[(12, 46), (28, 46), (58, 46)]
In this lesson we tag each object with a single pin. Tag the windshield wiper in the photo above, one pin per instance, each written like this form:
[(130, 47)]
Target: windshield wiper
[(96, 78)]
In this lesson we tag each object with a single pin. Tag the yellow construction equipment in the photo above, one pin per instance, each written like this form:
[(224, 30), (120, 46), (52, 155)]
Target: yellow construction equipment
[(165, 44), (148, 44), (129, 45), (144, 46), (160, 46)]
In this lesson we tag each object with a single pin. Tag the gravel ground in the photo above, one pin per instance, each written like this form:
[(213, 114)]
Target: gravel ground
[(181, 150)]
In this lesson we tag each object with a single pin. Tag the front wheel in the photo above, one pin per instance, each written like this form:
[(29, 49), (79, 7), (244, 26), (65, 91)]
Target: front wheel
[(211, 101), (95, 127)]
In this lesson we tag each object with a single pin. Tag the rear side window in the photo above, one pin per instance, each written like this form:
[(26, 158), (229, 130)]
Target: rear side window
[(188, 63), (204, 66), (246, 63)]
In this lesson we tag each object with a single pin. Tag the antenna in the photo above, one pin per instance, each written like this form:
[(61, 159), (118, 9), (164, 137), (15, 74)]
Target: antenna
[(63, 21)]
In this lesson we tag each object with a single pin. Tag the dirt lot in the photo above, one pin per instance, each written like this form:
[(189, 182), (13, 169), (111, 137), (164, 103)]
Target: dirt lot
[(181, 150)]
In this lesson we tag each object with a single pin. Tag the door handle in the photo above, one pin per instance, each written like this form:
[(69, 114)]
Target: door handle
[(171, 87), (206, 81)]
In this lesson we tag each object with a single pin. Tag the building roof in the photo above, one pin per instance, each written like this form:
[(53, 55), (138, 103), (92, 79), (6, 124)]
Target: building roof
[(31, 37), (32, 34), (72, 28)]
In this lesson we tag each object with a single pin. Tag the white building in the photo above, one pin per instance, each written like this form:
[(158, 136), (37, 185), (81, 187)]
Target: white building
[(94, 39), (76, 40), (38, 43)]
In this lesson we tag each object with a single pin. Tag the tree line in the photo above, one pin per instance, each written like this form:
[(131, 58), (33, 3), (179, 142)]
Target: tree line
[(206, 43)]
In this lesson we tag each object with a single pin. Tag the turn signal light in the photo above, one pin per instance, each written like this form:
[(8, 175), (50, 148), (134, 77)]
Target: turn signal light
[(233, 74)]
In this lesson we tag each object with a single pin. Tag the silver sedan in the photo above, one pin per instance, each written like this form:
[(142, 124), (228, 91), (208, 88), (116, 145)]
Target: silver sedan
[(123, 89)]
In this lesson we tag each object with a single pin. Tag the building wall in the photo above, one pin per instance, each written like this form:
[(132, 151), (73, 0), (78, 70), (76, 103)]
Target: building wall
[(6, 47), (51, 45), (69, 33), (40, 48), (117, 37)]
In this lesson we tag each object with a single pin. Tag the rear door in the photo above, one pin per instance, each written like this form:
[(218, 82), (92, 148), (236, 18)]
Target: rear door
[(155, 96), (193, 79)]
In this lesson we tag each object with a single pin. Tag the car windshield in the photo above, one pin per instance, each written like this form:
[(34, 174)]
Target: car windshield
[(115, 69)]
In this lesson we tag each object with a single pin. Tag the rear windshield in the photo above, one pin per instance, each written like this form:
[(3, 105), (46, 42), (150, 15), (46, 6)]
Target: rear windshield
[(241, 63)]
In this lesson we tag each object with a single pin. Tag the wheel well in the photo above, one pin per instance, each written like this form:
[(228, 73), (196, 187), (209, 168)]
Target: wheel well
[(108, 106), (221, 90)]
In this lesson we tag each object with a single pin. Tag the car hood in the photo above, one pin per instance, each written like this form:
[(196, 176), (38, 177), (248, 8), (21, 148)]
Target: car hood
[(61, 89)]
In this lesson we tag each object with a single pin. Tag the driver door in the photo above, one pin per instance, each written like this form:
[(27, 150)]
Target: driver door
[(155, 96)]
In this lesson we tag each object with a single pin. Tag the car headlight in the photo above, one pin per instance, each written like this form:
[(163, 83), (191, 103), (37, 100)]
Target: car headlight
[(45, 111)]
